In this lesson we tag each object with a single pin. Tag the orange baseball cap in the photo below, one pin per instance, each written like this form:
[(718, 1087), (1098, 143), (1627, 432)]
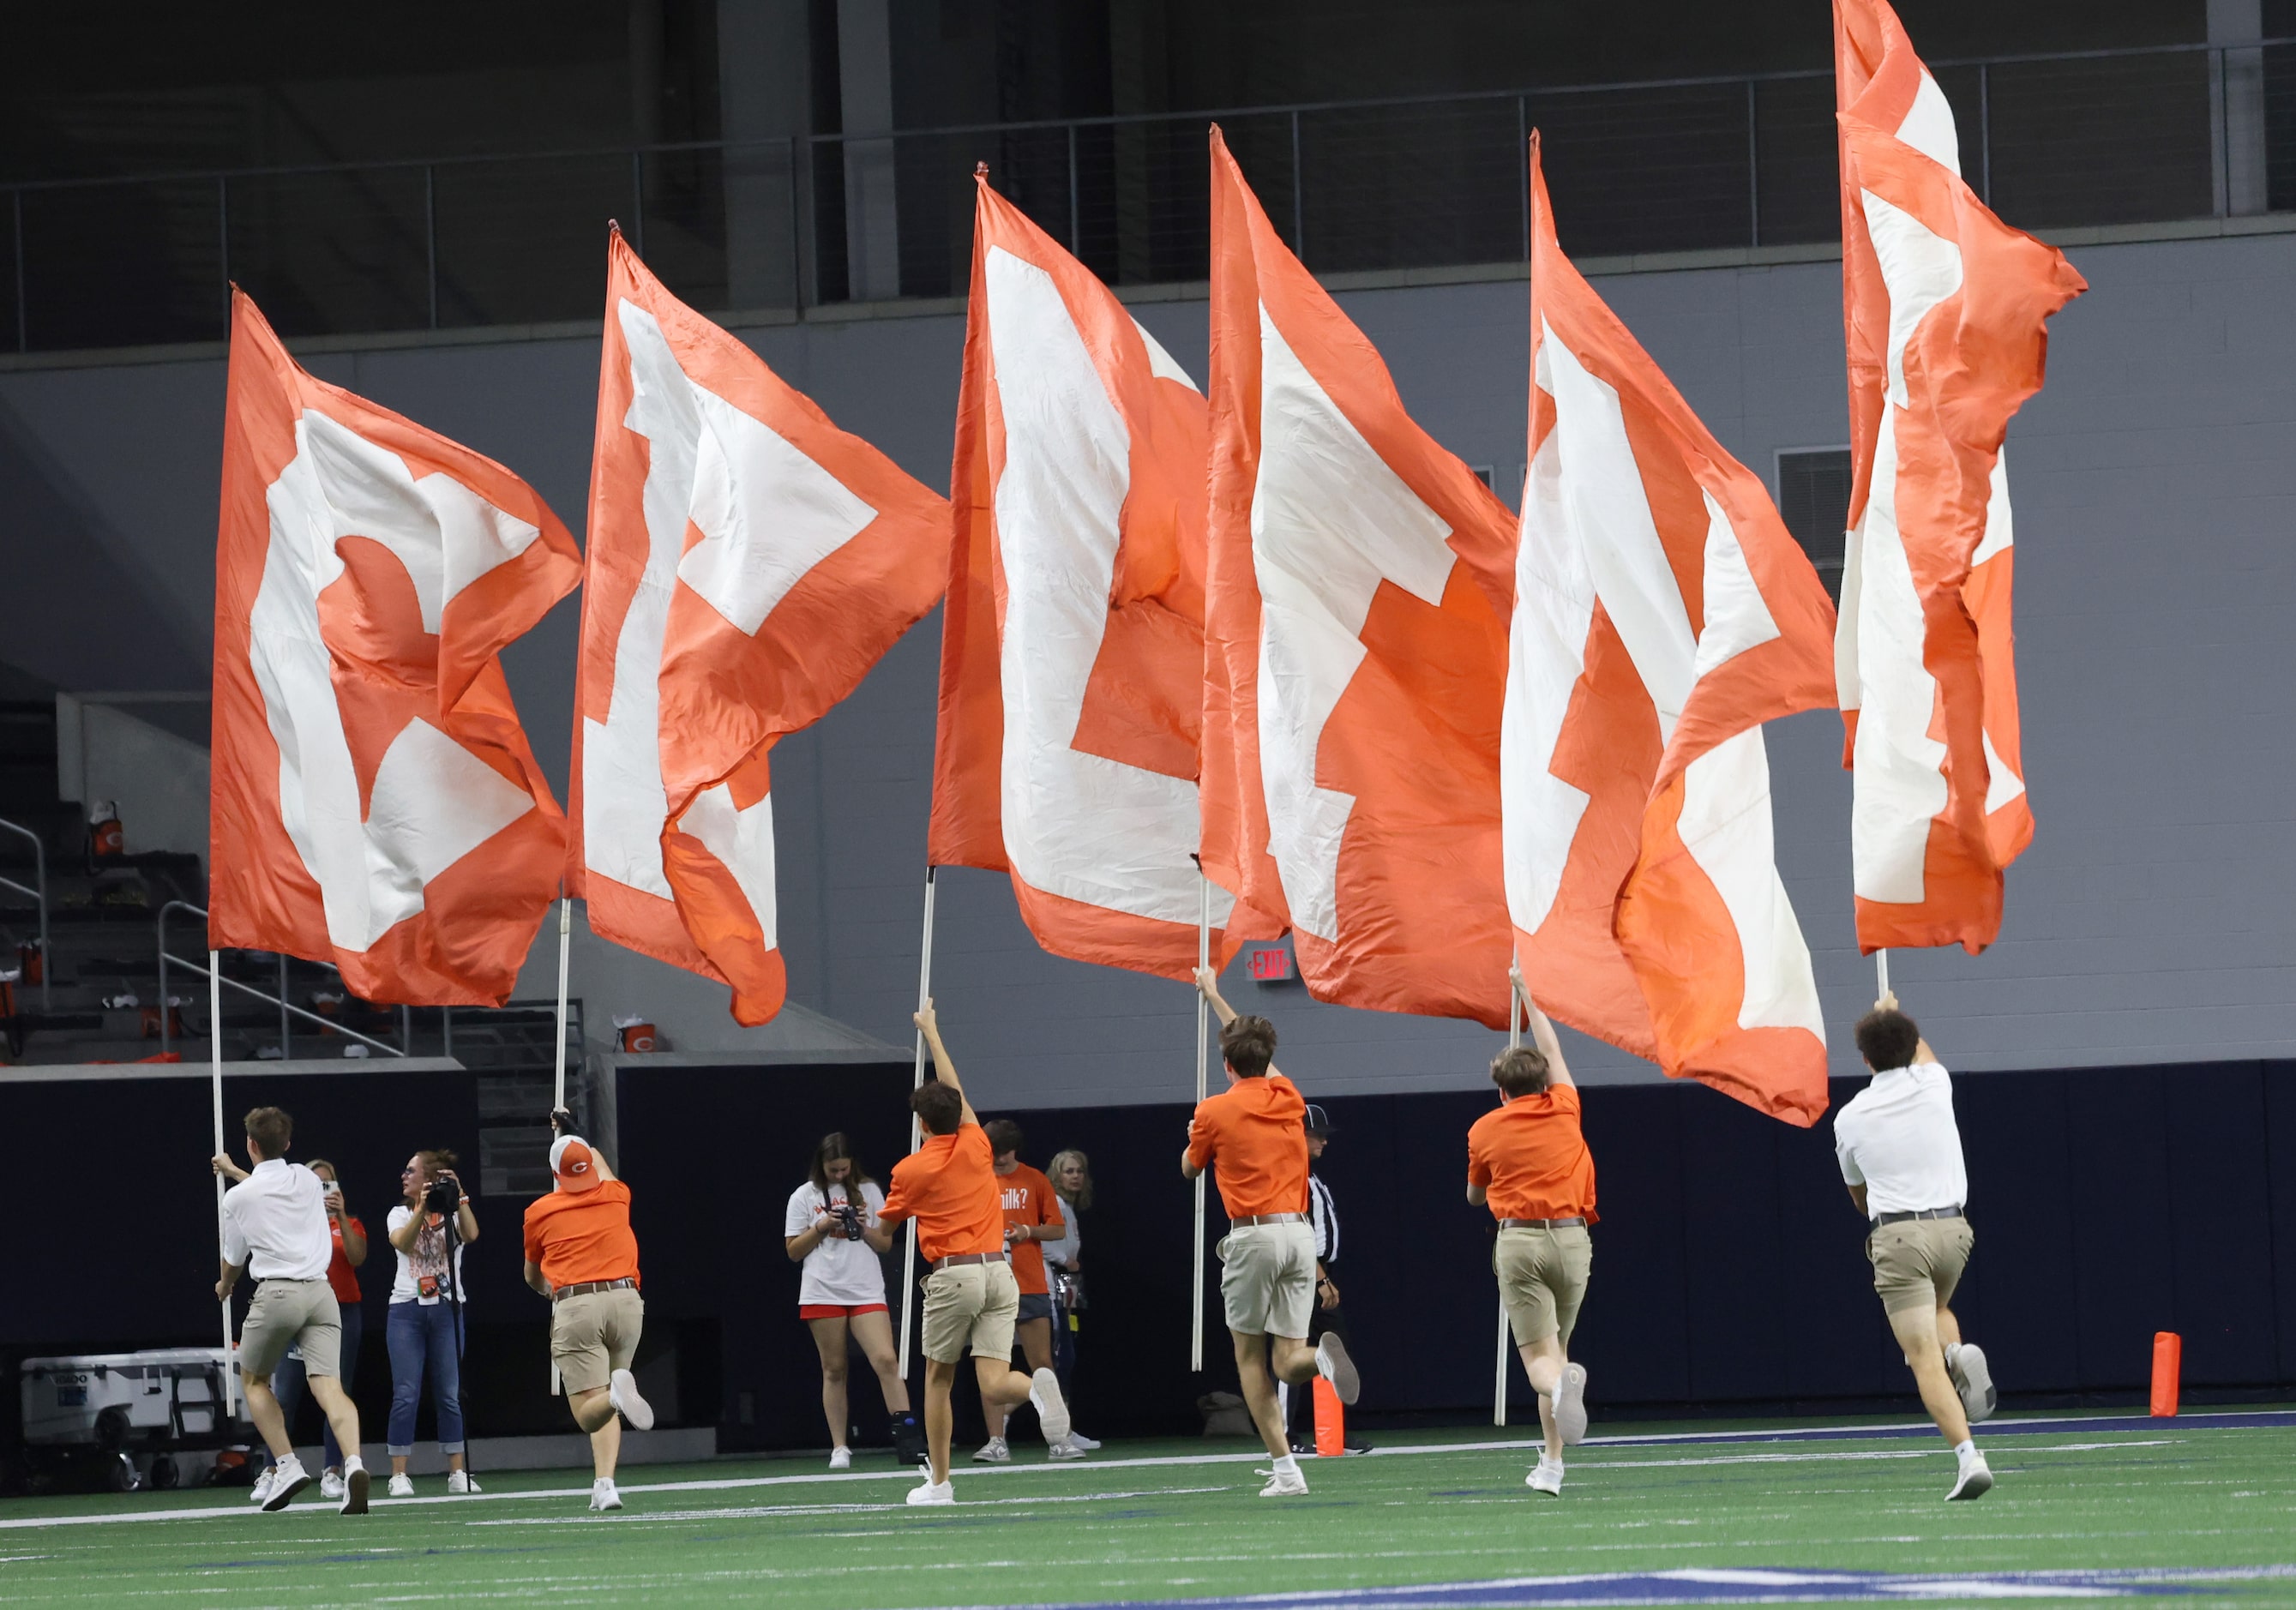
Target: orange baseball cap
[(573, 1162)]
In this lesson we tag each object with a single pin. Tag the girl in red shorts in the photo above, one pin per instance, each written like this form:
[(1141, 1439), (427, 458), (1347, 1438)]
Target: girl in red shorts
[(834, 1234)]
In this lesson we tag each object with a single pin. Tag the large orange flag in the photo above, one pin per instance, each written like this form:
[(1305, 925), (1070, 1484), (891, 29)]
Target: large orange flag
[(748, 562), (1358, 586), (375, 803), (1945, 308), (1073, 640), (1662, 613)]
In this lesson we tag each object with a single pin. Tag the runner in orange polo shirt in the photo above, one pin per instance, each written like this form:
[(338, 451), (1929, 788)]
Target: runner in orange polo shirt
[(1251, 1135), (1528, 1163), (949, 1187)]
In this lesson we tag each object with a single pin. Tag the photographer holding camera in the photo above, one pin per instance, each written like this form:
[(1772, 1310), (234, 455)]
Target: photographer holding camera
[(832, 1230), (429, 1231)]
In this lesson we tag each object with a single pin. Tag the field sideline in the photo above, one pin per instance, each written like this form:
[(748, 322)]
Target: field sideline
[(2201, 1508)]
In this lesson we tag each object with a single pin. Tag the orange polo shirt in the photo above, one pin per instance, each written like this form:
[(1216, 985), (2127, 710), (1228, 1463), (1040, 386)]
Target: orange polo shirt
[(1252, 1135), (949, 1187), (1027, 1196), (1531, 1159), (577, 1236)]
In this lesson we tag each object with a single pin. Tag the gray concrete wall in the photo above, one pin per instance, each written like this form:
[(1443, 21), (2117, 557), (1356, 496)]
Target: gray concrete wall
[(2155, 480)]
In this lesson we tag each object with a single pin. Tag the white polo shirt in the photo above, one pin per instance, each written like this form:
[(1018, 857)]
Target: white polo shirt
[(1897, 1137), (274, 1223)]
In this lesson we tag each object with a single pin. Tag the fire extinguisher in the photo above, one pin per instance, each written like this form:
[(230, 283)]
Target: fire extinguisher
[(105, 837)]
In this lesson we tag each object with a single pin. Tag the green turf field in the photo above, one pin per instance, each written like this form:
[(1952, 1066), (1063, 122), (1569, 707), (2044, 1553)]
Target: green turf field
[(1644, 1521)]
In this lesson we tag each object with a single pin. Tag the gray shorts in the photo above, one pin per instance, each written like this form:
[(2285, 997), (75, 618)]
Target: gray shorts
[(1034, 1305), (292, 1313)]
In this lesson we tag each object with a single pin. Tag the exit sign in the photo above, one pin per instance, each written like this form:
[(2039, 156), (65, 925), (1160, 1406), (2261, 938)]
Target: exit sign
[(1269, 964)]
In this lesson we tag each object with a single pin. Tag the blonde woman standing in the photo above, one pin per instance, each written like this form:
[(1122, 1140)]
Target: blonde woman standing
[(1070, 1172)]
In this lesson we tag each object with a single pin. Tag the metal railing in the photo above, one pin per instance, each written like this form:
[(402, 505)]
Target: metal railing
[(2093, 137), (39, 896), (215, 1030)]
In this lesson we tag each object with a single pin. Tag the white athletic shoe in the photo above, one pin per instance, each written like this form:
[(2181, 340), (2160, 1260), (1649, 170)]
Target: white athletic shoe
[(930, 1492), (261, 1491), (605, 1495), (1964, 1361), (622, 1392), (1570, 1405), (841, 1458), (1052, 1408), (331, 1484), (996, 1450), (402, 1486), (1284, 1485), (1065, 1450), (1545, 1477), (1975, 1479), (354, 1484), (1332, 1363), (288, 1478), (460, 1482), (1078, 1440)]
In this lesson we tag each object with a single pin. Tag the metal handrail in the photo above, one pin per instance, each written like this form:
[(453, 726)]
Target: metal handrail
[(160, 924), (40, 894)]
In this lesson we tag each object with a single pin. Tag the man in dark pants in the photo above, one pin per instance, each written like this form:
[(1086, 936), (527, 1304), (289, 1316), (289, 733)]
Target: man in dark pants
[(1327, 1319)]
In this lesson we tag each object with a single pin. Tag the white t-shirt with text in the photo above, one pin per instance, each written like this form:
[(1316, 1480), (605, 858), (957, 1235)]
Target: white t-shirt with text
[(837, 1270)]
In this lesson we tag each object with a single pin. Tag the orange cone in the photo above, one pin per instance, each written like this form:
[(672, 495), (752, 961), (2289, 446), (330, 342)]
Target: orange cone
[(2168, 1372)]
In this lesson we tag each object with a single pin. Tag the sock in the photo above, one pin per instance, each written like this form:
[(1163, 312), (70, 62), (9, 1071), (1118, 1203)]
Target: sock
[(1287, 1466), (1966, 1449)]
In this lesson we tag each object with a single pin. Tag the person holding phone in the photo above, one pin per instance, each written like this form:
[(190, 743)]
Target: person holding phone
[(832, 1231), (429, 1231), (288, 1381)]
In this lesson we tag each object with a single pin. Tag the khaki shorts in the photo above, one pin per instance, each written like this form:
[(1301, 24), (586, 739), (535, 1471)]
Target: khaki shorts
[(1543, 1280), (289, 1313), (970, 1304), (1267, 1279), (594, 1334), (1918, 1261)]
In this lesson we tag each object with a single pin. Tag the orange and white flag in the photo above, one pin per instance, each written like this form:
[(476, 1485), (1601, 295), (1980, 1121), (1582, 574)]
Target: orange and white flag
[(1072, 652), (1359, 585), (375, 803), (1945, 309), (1662, 613), (748, 562)]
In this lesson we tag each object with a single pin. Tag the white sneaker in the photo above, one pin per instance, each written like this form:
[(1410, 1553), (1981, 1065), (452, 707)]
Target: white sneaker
[(841, 1458), (288, 1478), (1975, 1479), (1964, 1361), (996, 1450), (1570, 1405), (1284, 1485), (605, 1495), (262, 1488), (1052, 1408), (930, 1492), (331, 1484), (1077, 1439), (1066, 1449), (354, 1483), (1546, 1478), (1332, 1363), (622, 1392), (462, 1482), (402, 1486)]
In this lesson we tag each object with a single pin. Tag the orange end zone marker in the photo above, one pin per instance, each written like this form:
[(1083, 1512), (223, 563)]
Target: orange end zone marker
[(2168, 1372), (1331, 1422)]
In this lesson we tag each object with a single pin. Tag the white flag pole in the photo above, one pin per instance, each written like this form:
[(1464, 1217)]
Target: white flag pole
[(215, 1080), (1882, 970), (1499, 1386), (909, 1242), (565, 942), (1204, 1069)]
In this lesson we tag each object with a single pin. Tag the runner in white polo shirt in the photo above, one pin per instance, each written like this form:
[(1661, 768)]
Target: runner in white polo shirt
[(274, 1227), (1900, 1155)]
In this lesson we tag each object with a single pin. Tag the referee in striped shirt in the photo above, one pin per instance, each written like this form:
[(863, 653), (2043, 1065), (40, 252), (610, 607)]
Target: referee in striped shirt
[(1323, 1214)]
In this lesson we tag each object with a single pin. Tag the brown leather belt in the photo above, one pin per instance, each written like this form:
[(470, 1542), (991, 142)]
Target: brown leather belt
[(585, 1287), (968, 1258), (1250, 1219), (1542, 1224), (1951, 1213)]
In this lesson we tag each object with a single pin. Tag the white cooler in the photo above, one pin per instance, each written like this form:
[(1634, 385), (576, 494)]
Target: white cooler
[(165, 1395)]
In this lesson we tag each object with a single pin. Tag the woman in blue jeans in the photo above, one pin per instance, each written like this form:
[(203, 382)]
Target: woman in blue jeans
[(425, 1330)]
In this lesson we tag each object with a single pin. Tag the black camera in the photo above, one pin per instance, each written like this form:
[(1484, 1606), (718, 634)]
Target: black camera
[(848, 1216), (444, 1196)]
